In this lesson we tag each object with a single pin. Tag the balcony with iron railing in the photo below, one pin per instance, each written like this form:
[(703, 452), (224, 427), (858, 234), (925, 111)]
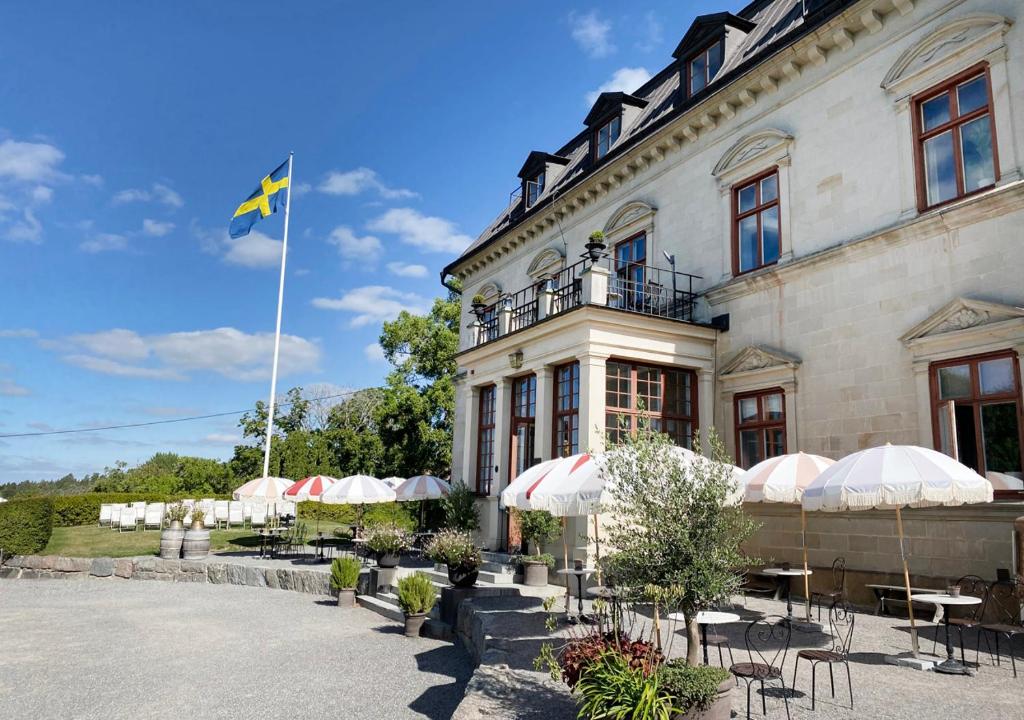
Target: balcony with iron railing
[(631, 287)]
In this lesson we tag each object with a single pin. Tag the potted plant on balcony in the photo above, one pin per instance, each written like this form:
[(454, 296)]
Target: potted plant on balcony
[(344, 578), (478, 303), (416, 597), (456, 550), (174, 534), (595, 245), (387, 542), (537, 527)]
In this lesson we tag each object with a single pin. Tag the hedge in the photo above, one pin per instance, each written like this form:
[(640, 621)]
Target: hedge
[(25, 525), (399, 513), (72, 510)]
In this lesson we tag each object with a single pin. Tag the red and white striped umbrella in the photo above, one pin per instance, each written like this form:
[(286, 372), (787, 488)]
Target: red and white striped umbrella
[(422, 487), (310, 488), (264, 488), (357, 490), (782, 479)]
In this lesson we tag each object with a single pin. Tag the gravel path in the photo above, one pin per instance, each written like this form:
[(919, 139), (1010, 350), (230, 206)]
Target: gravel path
[(100, 649)]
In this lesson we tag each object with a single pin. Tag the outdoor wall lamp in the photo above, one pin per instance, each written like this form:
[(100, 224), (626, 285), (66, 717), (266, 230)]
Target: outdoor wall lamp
[(515, 360)]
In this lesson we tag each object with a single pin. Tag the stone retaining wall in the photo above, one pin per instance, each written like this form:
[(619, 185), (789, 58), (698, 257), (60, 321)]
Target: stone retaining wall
[(151, 568)]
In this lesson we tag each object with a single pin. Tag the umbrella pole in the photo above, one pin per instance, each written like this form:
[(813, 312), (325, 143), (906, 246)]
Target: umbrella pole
[(597, 549), (565, 552), (807, 580), (906, 582)]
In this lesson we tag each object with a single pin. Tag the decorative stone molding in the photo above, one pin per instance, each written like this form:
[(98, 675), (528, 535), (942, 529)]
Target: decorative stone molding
[(756, 359), (633, 216), (490, 291), (952, 47), (545, 263), (965, 326), (756, 367), (750, 154)]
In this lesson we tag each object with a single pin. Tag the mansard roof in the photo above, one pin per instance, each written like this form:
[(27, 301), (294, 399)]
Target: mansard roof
[(706, 28), (609, 103), (536, 160)]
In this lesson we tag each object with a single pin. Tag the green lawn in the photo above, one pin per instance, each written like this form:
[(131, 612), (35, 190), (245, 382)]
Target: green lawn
[(93, 541)]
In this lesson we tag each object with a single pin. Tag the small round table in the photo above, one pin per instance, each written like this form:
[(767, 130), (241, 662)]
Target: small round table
[(705, 618), (950, 666), (789, 575), (579, 574)]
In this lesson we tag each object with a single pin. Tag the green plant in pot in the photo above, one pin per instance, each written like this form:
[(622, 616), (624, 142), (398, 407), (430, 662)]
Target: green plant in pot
[(387, 541), (456, 549), (479, 303), (460, 509), (537, 527), (344, 579), (698, 692), (196, 542), (416, 597), (173, 535), (595, 245)]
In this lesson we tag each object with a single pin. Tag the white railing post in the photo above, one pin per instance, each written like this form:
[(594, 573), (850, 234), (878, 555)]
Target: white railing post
[(544, 300), (505, 316), (595, 285)]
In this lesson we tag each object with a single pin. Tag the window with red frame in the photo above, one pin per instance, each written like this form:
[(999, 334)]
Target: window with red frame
[(667, 395), (755, 226), (485, 441), (955, 132), (760, 426), (566, 435)]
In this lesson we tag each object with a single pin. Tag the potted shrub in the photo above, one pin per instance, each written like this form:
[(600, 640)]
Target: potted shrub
[(595, 245), (537, 527), (196, 543), (416, 597), (698, 692), (456, 549), (344, 578), (387, 542), (460, 510), (173, 535), (478, 303)]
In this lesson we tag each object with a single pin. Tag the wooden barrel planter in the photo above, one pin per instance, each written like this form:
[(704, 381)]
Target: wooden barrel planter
[(170, 541), (196, 544)]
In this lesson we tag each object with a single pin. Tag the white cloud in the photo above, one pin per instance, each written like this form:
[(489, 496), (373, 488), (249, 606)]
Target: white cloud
[(402, 269), (622, 80), (254, 250), (9, 388), (158, 193), (104, 242), (374, 353), (28, 229), (156, 228), (433, 234), (29, 162), (94, 180), (302, 189), (19, 333), (173, 356), (222, 439), (352, 247), (651, 29), (374, 303), (41, 194), (592, 34), (355, 182)]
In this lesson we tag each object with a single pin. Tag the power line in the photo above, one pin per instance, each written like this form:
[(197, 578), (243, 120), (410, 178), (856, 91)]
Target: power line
[(163, 422)]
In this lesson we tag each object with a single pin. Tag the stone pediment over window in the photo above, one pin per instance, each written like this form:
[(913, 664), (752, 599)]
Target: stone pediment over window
[(967, 325), (490, 291), (751, 154), (944, 52), (633, 216), (545, 263), (754, 357)]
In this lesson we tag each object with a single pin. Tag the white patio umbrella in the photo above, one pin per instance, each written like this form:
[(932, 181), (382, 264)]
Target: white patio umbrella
[(264, 488), (894, 477), (393, 482), (422, 487), (358, 490), (1004, 481), (782, 479)]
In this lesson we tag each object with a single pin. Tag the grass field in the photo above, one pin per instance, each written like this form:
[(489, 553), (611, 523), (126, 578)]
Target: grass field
[(93, 541)]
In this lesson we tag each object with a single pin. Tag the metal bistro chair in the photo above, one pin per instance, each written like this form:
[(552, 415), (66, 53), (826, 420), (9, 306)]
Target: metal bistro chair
[(767, 640), (1006, 597), (840, 624), (838, 592), (976, 587)]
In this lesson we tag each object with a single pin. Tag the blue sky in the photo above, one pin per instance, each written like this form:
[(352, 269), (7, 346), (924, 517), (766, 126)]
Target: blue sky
[(131, 131)]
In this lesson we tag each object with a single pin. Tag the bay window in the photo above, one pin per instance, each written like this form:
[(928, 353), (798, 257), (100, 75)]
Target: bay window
[(667, 396)]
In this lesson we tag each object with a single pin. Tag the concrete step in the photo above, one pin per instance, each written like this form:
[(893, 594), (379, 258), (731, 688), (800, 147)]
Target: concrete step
[(381, 606), (485, 577)]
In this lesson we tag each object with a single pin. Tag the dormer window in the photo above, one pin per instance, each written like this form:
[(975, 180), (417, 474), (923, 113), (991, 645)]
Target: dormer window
[(534, 189), (703, 67), (607, 134)]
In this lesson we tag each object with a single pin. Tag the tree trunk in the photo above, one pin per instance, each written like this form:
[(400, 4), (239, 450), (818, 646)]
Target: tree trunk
[(692, 641)]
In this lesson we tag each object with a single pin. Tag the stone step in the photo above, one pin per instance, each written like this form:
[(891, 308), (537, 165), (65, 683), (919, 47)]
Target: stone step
[(485, 577), (381, 606)]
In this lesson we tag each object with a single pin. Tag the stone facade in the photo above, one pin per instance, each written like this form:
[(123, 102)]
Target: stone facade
[(869, 289)]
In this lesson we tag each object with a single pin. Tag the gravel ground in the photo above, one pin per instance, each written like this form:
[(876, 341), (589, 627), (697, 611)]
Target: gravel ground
[(102, 649)]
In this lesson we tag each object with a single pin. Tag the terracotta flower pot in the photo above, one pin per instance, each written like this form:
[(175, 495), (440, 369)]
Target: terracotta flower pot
[(535, 574), (720, 708), (463, 576), (414, 623), (347, 598)]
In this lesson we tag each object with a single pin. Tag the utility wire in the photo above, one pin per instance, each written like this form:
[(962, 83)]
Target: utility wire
[(162, 422)]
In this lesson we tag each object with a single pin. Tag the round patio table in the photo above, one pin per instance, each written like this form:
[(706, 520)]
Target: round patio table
[(705, 618), (789, 575), (949, 666), (579, 575)]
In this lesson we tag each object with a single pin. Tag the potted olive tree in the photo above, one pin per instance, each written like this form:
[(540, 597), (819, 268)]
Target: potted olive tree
[(173, 535), (196, 543), (387, 542), (456, 549), (537, 527), (416, 597), (344, 578)]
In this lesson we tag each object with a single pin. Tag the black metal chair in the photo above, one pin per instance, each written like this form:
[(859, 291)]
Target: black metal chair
[(1006, 597), (767, 640), (717, 640), (838, 592), (840, 624), (971, 620)]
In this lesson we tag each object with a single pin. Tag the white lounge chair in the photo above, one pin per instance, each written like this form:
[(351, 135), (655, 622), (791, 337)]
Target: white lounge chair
[(128, 519), (140, 512), (236, 515), (246, 513), (220, 512), (115, 515), (105, 510), (209, 518), (154, 517), (287, 508), (259, 516)]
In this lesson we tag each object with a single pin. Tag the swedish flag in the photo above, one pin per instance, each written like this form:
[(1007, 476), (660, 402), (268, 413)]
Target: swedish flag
[(265, 200)]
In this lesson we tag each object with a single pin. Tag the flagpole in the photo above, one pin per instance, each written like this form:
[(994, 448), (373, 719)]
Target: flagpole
[(277, 331)]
